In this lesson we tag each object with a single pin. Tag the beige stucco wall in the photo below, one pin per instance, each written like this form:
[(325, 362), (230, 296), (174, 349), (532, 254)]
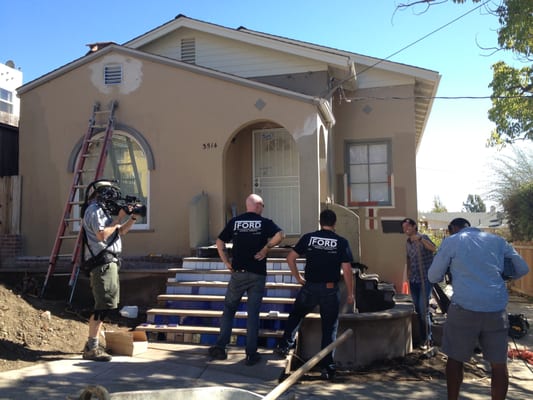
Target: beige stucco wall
[(177, 112), (383, 253)]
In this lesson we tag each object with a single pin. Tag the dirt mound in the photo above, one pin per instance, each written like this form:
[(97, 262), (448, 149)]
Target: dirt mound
[(35, 330)]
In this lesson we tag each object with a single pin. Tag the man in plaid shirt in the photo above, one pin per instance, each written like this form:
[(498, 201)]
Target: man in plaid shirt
[(420, 250)]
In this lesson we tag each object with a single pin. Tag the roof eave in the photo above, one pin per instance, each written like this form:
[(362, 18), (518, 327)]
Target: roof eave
[(168, 61), (423, 106)]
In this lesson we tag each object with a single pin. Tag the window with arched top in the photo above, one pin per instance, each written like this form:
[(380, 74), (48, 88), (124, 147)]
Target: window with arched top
[(129, 161)]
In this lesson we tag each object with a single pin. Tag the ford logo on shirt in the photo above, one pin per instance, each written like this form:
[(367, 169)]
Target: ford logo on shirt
[(322, 243), (247, 226)]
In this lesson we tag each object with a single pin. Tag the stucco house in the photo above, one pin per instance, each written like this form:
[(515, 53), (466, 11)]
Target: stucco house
[(205, 109)]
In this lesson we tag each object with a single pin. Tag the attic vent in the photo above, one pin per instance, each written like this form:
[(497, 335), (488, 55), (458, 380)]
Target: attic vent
[(113, 74), (188, 50)]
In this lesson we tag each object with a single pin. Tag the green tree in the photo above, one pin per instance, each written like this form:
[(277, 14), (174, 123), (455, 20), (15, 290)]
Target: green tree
[(474, 203), (519, 208), (438, 207), (512, 187), (512, 88), (510, 172)]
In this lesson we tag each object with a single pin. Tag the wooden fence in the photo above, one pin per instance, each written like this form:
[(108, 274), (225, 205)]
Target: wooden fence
[(10, 192), (524, 285)]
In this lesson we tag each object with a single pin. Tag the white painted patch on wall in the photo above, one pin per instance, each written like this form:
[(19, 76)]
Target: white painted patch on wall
[(131, 74), (309, 127)]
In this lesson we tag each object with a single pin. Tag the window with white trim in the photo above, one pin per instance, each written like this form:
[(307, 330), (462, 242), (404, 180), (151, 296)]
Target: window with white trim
[(113, 74), (369, 173), (6, 101)]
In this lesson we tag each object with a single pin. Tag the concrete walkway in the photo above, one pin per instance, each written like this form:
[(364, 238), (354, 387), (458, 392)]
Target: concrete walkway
[(166, 366)]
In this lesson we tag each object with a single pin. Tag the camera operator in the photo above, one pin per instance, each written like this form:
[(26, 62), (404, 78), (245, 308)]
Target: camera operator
[(103, 245)]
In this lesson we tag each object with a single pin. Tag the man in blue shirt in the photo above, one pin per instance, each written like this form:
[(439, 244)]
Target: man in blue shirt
[(478, 305), (252, 236)]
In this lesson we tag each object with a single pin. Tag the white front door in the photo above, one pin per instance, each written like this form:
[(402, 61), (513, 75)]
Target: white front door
[(276, 177)]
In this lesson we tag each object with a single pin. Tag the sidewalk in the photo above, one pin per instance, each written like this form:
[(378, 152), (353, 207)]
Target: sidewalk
[(166, 366)]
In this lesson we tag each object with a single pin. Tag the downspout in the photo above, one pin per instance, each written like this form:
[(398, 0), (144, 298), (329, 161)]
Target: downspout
[(326, 111)]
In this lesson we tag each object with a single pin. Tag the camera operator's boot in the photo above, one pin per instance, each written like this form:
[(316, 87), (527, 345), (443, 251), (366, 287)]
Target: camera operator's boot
[(95, 354)]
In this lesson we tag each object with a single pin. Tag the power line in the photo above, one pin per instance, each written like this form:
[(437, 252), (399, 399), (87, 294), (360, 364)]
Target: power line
[(339, 84), (422, 38)]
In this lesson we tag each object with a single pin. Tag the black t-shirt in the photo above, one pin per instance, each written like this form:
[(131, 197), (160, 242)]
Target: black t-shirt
[(249, 233), (324, 251)]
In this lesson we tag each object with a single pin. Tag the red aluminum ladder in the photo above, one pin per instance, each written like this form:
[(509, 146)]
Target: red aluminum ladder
[(82, 177)]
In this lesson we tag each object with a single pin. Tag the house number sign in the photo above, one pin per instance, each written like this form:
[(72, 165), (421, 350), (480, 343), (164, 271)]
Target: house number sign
[(208, 146)]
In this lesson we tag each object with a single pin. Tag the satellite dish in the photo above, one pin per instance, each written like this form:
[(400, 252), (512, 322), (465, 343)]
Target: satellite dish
[(10, 63)]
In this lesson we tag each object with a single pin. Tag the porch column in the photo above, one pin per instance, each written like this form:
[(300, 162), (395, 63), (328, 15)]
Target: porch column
[(308, 146)]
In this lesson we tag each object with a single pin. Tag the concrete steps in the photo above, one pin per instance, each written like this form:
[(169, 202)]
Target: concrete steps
[(191, 308)]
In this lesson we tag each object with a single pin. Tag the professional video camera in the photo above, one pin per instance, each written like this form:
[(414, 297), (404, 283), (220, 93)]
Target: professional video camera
[(109, 196), (114, 206)]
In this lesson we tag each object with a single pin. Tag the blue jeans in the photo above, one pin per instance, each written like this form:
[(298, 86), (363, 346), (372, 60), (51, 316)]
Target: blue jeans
[(254, 286), (312, 295), (421, 293)]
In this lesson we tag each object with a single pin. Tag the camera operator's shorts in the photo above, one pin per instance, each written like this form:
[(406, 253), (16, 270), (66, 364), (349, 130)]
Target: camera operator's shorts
[(464, 330), (105, 285)]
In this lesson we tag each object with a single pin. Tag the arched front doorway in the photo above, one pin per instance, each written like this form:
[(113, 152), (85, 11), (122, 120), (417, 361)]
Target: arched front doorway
[(262, 158)]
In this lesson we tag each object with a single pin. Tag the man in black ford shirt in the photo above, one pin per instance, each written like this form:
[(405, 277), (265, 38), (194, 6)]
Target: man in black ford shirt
[(252, 236), (325, 252)]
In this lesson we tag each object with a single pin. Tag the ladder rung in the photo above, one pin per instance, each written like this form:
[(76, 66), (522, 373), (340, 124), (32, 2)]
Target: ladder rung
[(82, 171), (76, 203), (90, 155), (72, 219), (69, 237), (99, 126)]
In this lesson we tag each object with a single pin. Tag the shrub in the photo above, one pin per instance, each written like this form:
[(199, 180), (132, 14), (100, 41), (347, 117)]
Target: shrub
[(519, 209)]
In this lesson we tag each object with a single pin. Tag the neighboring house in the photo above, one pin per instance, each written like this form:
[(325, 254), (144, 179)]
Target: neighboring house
[(10, 80), (481, 220), (226, 112)]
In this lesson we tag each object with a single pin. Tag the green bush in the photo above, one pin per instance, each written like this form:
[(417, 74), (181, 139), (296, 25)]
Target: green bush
[(519, 210)]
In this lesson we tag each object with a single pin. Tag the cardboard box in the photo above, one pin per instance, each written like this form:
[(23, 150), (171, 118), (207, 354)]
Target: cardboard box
[(126, 343)]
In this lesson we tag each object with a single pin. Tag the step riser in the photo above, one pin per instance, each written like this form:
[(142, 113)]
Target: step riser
[(206, 339), (211, 277), (216, 264), (221, 291)]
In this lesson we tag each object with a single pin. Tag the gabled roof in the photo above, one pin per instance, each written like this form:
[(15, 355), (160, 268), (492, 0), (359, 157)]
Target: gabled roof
[(245, 36), (426, 81), (345, 63), (322, 105)]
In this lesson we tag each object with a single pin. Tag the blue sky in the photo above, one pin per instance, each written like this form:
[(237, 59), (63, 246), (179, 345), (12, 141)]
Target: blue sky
[(452, 160)]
